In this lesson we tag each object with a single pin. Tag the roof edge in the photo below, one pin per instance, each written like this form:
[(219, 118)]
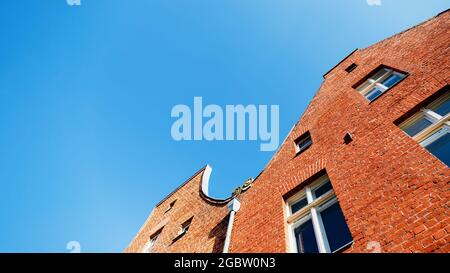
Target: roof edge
[(179, 187), (204, 188), (345, 58)]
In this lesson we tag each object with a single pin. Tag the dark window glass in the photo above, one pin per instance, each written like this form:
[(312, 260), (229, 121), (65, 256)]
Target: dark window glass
[(391, 80), (351, 67), (441, 148), (185, 226), (338, 234), (323, 189), (304, 142), (417, 126), (364, 86), (306, 240), (444, 108), (373, 94), (299, 205), (379, 74)]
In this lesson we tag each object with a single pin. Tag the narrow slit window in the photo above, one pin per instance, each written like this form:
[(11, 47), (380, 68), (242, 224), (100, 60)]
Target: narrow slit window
[(351, 67), (170, 206)]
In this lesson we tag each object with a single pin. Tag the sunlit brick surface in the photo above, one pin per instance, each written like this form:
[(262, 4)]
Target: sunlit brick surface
[(393, 192), (206, 233)]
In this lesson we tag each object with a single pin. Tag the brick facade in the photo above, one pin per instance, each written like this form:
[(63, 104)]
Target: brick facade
[(391, 190), (209, 222)]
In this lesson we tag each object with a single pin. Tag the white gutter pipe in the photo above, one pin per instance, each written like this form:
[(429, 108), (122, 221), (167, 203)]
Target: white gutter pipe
[(233, 207)]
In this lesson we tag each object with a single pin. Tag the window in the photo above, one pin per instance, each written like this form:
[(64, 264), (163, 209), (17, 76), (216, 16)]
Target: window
[(316, 222), (348, 138), (383, 79), (148, 247), (185, 227), (430, 126), (351, 67), (170, 206), (303, 142)]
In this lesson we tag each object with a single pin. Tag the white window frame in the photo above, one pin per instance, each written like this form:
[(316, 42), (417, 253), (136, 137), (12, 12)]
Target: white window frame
[(442, 131), (148, 247), (377, 83), (311, 211), (427, 135), (185, 227), (307, 137)]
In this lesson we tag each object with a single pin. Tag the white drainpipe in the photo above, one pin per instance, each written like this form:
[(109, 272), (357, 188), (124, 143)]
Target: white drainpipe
[(233, 207)]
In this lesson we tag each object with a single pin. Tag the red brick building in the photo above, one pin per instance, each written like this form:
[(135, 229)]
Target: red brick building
[(187, 220), (364, 169)]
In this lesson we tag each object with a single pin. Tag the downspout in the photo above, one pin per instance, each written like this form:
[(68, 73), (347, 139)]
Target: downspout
[(233, 207)]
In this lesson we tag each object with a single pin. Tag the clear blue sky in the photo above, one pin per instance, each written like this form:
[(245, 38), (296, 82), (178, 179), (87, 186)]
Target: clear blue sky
[(86, 94)]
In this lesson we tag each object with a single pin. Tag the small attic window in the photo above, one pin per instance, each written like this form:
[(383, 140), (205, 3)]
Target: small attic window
[(171, 205), (303, 142), (351, 67)]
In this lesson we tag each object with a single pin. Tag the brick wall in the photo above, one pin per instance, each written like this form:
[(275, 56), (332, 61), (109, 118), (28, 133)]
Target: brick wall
[(208, 228), (390, 189)]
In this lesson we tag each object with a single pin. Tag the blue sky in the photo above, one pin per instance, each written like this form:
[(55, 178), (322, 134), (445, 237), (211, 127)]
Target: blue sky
[(86, 94)]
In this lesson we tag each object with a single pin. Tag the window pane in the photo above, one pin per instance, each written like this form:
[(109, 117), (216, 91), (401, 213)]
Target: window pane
[(150, 244), (185, 226), (417, 126), (441, 147), (306, 239), (443, 109), (323, 189), (373, 94), (298, 205), (391, 80), (379, 74), (363, 86), (305, 144), (336, 229)]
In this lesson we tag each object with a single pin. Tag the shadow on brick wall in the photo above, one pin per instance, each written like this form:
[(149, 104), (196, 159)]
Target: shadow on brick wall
[(218, 233)]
